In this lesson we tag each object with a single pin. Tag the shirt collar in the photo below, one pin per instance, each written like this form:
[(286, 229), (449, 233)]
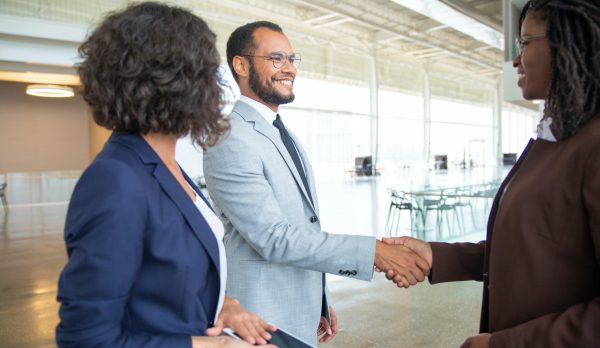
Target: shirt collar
[(544, 131), (262, 109)]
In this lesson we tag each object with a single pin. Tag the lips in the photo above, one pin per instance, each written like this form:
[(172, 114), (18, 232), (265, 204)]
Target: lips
[(521, 78), (285, 82)]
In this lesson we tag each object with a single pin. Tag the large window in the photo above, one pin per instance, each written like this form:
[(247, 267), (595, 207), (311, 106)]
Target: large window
[(401, 129), (462, 132), (333, 124), (518, 126)]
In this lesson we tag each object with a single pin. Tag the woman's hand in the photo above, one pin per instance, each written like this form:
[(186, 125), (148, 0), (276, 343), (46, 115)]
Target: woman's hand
[(222, 342), (479, 341), (249, 326)]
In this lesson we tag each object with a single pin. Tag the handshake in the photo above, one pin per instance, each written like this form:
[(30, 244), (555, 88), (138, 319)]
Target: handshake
[(404, 260)]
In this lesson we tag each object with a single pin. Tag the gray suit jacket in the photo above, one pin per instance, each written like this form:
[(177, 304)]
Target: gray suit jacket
[(276, 251)]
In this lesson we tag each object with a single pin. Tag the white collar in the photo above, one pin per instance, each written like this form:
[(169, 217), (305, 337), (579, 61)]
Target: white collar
[(261, 108), (544, 131)]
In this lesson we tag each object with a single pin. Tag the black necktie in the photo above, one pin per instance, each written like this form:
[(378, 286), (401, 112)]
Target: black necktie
[(289, 145)]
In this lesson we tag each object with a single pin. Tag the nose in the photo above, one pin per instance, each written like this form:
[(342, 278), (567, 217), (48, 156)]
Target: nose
[(289, 67), (517, 61)]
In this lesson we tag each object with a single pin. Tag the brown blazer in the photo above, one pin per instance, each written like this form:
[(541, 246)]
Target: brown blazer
[(540, 263)]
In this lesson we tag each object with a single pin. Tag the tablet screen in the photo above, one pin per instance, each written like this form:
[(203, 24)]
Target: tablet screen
[(280, 338)]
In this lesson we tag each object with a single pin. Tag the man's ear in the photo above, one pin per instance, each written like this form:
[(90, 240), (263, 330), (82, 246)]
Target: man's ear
[(241, 66)]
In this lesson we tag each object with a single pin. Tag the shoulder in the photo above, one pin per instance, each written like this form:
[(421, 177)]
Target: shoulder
[(589, 133), (116, 164), (240, 139), (117, 174)]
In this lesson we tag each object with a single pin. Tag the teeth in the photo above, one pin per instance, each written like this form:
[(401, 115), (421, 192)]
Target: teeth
[(285, 82), (521, 76)]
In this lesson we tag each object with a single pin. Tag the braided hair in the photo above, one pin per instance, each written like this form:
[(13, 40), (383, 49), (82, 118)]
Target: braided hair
[(573, 34)]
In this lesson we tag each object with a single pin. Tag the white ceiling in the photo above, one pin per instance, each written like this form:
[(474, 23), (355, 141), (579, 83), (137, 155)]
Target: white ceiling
[(337, 38)]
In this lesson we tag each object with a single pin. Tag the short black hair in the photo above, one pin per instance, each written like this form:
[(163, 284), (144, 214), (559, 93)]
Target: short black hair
[(154, 68), (573, 34), (241, 41)]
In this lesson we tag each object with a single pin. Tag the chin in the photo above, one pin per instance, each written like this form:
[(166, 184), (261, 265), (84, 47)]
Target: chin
[(528, 95)]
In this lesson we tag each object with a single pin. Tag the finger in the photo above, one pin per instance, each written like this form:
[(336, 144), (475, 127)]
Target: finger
[(396, 240), (328, 338), (245, 332), (320, 330), (334, 327), (261, 328), (423, 265), (214, 331), (390, 274), (402, 284), (256, 330), (409, 278), (326, 326)]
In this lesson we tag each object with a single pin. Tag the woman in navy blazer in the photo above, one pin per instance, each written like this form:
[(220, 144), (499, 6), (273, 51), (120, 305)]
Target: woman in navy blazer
[(145, 261)]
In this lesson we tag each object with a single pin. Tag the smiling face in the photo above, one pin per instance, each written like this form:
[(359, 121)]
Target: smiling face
[(271, 86), (533, 64)]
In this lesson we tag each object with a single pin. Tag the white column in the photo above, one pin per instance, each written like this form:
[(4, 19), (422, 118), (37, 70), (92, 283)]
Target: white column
[(426, 117), (374, 104), (497, 123)]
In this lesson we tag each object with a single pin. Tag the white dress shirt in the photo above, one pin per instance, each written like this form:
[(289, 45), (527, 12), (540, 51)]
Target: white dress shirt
[(270, 116), (217, 228)]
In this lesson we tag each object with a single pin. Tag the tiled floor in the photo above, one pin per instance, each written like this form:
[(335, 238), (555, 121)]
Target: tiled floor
[(371, 314)]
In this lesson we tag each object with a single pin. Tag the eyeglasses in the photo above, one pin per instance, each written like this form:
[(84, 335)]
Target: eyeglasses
[(279, 59), (520, 43)]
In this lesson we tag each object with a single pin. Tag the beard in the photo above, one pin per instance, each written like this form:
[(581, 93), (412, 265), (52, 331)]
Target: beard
[(266, 92)]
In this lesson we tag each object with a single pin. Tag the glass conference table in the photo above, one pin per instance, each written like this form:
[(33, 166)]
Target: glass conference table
[(446, 207)]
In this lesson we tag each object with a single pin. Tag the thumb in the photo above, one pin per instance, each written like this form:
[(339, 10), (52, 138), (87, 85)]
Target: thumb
[(215, 330), (395, 240)]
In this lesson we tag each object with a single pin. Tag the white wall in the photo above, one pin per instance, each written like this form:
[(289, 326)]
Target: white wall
[(38, 134)]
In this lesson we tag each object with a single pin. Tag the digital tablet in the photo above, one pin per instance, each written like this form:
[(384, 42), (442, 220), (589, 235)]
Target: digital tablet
[(280, 338)]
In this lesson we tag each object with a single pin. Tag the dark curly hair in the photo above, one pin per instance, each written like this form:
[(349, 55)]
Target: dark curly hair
[(241, 41), (154, 68), (573, 34)]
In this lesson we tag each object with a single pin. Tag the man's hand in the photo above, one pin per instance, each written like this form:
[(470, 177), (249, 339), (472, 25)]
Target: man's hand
[(421, 248), (479, 341), (327, 331), (249, 326), (402, 262)]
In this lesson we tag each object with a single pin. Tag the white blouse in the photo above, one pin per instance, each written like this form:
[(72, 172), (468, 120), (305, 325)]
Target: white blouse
[(217, 228)]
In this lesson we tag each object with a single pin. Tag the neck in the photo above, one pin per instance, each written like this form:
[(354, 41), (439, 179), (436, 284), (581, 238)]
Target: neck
[(250, 94), (163, 145)]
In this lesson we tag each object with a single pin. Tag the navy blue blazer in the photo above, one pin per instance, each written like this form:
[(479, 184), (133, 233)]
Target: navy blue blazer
[(143, 268)]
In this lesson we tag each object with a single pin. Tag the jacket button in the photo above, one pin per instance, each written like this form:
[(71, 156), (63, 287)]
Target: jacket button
[(314, 219)]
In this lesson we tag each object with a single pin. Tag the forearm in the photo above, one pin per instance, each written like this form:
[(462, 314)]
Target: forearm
[(458, 261)]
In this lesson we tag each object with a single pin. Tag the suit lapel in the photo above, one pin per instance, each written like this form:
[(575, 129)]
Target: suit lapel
[(176, 193), (249, 114), (189, 210), (484, 321), (496, 204)]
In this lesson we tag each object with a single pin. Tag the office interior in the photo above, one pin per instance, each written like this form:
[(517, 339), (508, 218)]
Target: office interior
[(408, 110)]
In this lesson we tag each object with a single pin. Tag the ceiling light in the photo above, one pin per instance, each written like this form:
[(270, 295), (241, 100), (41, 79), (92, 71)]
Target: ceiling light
[(536, 102), (50, 91)]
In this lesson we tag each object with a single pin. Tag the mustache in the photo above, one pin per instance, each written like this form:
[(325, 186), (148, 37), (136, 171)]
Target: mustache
[(284, 76)]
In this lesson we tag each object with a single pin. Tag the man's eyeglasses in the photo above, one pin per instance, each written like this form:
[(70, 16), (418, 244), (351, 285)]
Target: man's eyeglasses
[(520, 43), (279, 58)]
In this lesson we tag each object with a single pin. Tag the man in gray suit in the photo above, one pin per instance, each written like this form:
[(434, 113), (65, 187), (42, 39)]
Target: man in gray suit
[(263, 187)]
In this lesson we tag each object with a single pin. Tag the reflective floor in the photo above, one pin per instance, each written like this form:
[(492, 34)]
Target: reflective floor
[(371, 314)]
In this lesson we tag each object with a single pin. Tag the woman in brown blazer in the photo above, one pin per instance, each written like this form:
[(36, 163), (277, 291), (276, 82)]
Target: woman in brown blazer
[(540, 263)]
